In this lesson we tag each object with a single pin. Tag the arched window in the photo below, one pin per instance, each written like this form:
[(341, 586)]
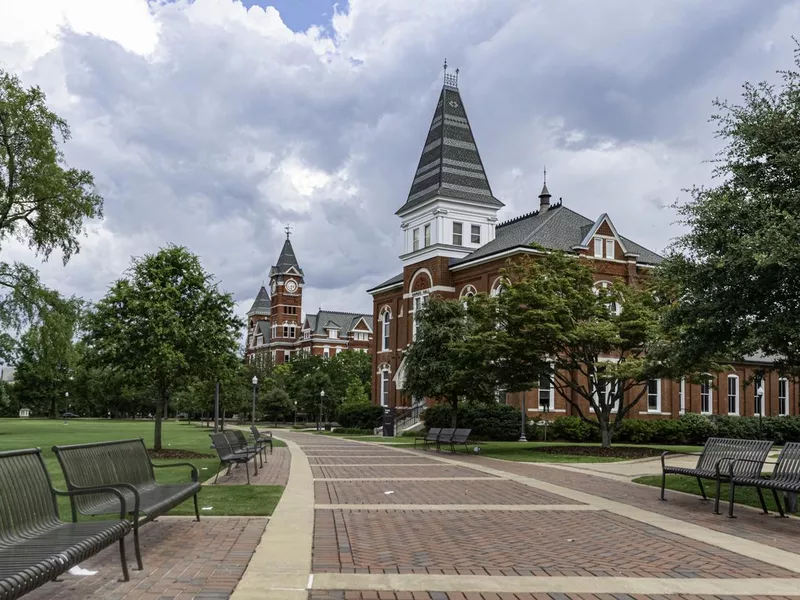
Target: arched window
[(497, 287), (468, 291), (733, 394), (604, 288), (386, 320), (384, 372)]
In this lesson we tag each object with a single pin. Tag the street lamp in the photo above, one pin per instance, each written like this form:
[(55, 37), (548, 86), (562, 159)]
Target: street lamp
[(295, 413), (319, 417), (522, 437), (253, 414), (760, 394), (66, 404), (545, 407)]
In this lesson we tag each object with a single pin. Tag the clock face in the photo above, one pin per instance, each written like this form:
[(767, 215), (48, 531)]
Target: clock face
[(274, 286), (291, 286)]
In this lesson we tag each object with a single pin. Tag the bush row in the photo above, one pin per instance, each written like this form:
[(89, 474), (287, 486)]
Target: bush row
[(499, 422), (359, 415)]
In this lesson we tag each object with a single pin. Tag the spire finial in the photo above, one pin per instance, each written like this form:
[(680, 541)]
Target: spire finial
[(545, 174), (450, 79), (288, 231)]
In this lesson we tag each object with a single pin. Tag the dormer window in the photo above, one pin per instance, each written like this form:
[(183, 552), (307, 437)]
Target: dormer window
[(476, 234), (333, 334), (415, 238), (427, 235), (610, 249), (306, 335), (458, 238), (598, 247)]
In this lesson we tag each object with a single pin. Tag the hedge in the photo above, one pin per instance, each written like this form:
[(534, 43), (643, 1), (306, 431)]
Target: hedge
[(498, 422), (359, 415)]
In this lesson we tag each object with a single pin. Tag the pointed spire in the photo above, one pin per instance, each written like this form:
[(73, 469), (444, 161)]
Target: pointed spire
[(450, 164), (286, 259), (544, 196), (261, 305)]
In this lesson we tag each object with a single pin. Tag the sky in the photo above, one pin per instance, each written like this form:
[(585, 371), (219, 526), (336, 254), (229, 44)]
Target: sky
[(215, 123)]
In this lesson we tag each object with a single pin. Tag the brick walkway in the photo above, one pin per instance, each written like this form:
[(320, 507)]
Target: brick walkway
[(389, 524)]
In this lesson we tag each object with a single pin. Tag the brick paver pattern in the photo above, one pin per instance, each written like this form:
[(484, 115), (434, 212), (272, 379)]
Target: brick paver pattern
[(491, 491), (274, 472), (371, 460), (373, 595), (513, 543), (183, 559), (382, 472)]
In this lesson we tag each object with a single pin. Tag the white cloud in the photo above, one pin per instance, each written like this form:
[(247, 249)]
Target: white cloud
[(211, 125)]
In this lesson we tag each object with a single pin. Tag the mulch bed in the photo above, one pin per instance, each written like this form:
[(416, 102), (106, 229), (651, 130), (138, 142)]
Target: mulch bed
[(628, 452), (176, 454)]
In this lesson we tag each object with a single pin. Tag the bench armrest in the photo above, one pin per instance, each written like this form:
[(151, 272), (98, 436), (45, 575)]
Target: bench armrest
[(749, 460), (672, 452), (84, 491), (195, 473)]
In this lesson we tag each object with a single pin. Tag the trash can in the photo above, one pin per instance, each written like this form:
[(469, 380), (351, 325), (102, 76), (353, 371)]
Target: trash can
[(388, 422)]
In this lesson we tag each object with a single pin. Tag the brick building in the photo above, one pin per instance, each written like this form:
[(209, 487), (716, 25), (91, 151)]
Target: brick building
[(276, 325), (455, 247)]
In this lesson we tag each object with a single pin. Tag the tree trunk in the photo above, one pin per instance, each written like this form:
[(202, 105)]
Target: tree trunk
[(161, 408), (454, 414), (605, 433)]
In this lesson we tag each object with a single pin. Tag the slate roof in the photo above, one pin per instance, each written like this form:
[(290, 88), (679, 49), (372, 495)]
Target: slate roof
[(393, 281), (261, 305), (450, 164), (558, 228), (345, 321), (265, 331), (286, 260)]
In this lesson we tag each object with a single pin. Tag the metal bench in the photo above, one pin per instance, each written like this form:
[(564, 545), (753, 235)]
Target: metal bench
[(228, 456), (265, 437), (36, 546), (428, 438), (240, 445), (126, 466), (785, 477), (445, 435), (715, 460), (460, 436)]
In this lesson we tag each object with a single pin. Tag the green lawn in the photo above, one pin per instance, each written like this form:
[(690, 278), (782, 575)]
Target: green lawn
[(682, 483), (521, 452), (399, 440), (225, 500)]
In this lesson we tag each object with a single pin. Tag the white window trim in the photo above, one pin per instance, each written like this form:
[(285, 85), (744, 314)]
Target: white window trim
[(384, 391), (426, 235), (788, 395), (415, 239), (710, 410), (657, 409), (612, 244), (552, 390), (459, 234), (326, 352), (682, 397), (386, 330), (423, 299), (598, 247), (472, 233), (728, 394)]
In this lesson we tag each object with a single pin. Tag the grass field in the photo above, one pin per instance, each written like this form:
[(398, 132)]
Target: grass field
[(16, 434), (682, 483)]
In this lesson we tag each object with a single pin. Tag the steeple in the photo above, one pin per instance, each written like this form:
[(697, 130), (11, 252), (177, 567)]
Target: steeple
[(544, 196), (261, 304), (450, 165), (287, 258)]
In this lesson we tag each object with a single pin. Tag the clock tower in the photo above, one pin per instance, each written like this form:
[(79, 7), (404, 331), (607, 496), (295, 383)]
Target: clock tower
[(286, 301)]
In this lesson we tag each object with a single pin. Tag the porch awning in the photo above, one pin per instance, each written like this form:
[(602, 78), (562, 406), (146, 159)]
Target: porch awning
[(400, 376)]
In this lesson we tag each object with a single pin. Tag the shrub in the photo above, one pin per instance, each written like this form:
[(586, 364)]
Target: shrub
[(740, 428), (354, 431), (636, 431), (498, 422), (359, 415), (573, 429), (696, 429)]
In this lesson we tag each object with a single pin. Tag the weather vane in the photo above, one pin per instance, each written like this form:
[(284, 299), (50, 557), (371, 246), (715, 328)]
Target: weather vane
[(288, 230)]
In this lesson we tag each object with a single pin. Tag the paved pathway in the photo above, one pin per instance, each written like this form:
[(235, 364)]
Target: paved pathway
[(362, 521)]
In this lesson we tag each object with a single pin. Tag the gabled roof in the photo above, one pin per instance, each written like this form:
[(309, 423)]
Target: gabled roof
[(264, 330), (345, 322), (261, 304), (604, 218), (558, 228), (286, 261), (450, 164), (396, 280)]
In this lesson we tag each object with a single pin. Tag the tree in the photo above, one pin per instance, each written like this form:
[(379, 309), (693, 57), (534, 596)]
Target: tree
[(276, 402), (48, 357), (43, 202), (550, 322), (356, 394), (166, 322), (440, 364), (733, 281)]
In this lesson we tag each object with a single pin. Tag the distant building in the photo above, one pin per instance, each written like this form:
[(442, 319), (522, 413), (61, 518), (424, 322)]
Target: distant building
[(7, 373), (275, 322)]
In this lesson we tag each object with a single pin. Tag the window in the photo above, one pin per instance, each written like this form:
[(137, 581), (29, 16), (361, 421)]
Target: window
[(654, 395), (757, 399), (290, 310), (285, 331), (361, 336), (733, 395), (286, 356), (385, 321), (605, 286), (292, 331), (545, 392), (476, 234), (415, 239), (706, 396), (783, 396), (385, 388), (497, 288), (333, 334), (598, 247), (606, 389), (418, 303), (682, 396), (609, 248), (427, 235), (326, 352), (457, 238), (307, 335)]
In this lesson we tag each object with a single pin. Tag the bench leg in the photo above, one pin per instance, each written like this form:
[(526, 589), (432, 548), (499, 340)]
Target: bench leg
[(778, 502), (221, 464), (663, 484), (136, 549), (255, 464), (123, 560), (731, 495), (247, 472), (196, 510), (717, 495), (761, 500), (703, 490)]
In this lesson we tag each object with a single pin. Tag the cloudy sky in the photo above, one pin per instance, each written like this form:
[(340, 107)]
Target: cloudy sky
[(214, 123)]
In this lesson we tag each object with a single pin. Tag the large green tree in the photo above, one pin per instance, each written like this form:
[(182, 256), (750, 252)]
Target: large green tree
[(43, 202), (440, 363), (550, 322), (165, 322), (733, 280)]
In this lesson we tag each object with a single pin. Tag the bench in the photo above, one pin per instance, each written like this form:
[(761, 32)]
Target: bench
[(126, 466), (460, 436), (240, 445), (714, 462), (785, 478), (36, 546), (229, 456), (265, 437), (429, 438), (445, 435)]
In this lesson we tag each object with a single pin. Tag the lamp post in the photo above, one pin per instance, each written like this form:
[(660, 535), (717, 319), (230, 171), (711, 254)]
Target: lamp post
[(545, 406), (319, 417), (522, 437), (295, 413), (253, 414), (760, 394)]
